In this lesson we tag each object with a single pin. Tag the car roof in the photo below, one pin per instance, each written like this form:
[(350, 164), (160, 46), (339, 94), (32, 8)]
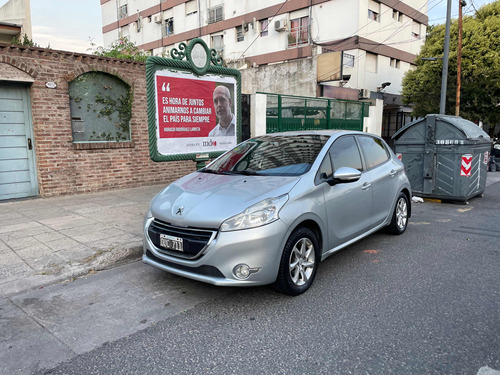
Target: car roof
[(329, 132)]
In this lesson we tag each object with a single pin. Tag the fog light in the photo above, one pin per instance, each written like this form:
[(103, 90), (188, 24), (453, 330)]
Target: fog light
[(241, 271)]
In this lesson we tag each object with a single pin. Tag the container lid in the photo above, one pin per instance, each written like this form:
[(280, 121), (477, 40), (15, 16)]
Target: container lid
[(468, 128)]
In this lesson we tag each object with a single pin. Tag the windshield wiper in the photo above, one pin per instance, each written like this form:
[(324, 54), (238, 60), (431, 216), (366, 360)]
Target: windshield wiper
[(205, 170), (246, 172)]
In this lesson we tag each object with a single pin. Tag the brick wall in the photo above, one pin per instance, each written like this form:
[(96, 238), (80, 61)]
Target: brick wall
[(67, 168)]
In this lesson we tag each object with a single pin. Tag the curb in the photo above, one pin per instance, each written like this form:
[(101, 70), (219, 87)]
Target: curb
[(72, 271)]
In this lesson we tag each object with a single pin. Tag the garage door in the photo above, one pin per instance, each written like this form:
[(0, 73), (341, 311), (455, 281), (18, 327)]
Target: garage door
[(17, 166)]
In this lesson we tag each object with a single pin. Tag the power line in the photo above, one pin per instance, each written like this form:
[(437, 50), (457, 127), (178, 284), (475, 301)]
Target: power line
[(358, 58), (337, 70), (265, 29)]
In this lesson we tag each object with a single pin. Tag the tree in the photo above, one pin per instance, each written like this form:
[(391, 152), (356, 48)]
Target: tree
[(122, 48), (480, 82), (25, 41)]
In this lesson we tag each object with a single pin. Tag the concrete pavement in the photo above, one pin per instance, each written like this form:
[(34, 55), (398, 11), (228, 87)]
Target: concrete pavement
[(47, 240)]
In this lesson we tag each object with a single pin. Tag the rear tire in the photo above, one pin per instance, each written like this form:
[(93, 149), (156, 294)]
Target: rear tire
[(400, 216), (299, 263)]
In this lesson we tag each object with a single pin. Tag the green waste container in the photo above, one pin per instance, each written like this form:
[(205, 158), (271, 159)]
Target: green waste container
[(446, 157)]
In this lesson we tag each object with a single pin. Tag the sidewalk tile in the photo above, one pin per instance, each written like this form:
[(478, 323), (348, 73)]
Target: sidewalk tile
[(66, 222), (34, 252), (47, 263), (22, 243), (62, 244), (19, 227), (84, 229), (4, 248)]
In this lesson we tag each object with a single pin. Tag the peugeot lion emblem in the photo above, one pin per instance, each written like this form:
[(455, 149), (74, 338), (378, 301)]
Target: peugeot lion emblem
[(180, 209)]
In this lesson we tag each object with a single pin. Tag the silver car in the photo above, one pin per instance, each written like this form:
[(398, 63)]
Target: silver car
[(269, 210)]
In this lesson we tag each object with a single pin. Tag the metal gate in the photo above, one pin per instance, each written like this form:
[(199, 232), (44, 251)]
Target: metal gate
[(17, 162), (288, 113)]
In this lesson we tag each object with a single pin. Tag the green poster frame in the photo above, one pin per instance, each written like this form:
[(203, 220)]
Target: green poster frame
[(184, 60)]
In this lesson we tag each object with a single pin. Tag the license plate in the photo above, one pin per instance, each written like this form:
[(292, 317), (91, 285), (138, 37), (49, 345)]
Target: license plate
[(171, 242)]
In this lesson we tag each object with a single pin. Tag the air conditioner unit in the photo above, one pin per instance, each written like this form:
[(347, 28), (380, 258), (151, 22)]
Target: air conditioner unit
[(280, 25), (158, 19)]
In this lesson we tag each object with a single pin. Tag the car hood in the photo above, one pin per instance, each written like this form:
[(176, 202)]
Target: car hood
[(205, 200)]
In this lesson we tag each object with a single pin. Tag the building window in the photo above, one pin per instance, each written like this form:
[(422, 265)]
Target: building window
[(299, 32), (191, 7), (395, 63), (374, 10), (348, 60), (122, 11), (240, 36), (398, 16), (101, 108), (215, 14), (371, 62), (264, 26), (168, 28), (415, 30), (218, 43)]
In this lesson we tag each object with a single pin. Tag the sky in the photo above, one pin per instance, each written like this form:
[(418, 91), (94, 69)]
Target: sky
[(71, 25)]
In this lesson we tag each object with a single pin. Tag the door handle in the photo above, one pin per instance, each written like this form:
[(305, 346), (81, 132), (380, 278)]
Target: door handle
[(393, 173), (366, 186), (30, 145)]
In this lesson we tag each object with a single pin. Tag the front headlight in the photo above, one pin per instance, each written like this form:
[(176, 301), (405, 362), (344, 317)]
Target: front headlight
[(259, 214)]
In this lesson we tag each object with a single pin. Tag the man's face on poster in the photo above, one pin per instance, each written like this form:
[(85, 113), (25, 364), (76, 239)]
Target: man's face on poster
[(222, 103)]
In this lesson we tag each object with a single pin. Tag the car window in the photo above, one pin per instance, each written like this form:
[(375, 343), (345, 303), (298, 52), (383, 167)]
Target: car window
[(267, 155), (345, 153), (374, 151), (324, 171)]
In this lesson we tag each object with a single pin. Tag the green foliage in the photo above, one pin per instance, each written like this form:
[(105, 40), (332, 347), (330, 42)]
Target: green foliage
[(480, 82), (25, 41), (122, 48)]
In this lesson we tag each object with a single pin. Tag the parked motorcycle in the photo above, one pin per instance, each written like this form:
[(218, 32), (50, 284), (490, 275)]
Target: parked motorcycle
[(494, 163)]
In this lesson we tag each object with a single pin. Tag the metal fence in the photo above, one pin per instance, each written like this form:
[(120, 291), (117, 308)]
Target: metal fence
[(288, 113)]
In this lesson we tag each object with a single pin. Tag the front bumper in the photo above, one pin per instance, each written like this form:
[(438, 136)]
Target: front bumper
[(259, 248)]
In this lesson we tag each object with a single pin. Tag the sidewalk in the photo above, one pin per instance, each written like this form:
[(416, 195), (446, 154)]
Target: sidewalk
[(46, 240)]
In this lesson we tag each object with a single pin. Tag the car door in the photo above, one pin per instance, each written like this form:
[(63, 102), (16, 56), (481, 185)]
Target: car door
[(382, 173), (347, 204)]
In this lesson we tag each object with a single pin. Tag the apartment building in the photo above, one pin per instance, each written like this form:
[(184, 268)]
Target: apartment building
[(346, 49), (15, 20)]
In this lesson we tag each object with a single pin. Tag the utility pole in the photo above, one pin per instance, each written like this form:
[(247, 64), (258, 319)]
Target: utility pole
[(461, 3), (444, 78)]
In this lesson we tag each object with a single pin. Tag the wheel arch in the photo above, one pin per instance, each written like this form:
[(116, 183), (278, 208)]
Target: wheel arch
[(314, 227)]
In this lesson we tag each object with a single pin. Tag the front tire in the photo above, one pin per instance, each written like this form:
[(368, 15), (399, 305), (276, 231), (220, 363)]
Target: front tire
[(400, 216), (299, 263)]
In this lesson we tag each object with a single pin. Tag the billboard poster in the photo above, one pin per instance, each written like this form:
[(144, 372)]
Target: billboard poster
[(194, 114)]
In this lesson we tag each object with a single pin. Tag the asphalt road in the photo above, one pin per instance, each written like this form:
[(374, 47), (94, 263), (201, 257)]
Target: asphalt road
[(426, 302)]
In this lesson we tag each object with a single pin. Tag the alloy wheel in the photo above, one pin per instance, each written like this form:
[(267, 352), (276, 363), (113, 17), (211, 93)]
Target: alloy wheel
[(401, 213), (302, 261)]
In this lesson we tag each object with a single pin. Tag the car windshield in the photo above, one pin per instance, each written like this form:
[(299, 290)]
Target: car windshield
[(290, 155)]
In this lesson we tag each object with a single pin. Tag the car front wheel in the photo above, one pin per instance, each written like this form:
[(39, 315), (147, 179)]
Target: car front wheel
[(299, 263), (400, 216)]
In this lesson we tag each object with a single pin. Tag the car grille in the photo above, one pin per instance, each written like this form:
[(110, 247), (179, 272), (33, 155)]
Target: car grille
[(194, 240)]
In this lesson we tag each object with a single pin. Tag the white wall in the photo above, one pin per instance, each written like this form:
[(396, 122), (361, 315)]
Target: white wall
[(334, 20), (373, 123), (18, 13)]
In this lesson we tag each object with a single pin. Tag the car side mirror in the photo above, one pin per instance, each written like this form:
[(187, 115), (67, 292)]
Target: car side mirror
[(344, 175)]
